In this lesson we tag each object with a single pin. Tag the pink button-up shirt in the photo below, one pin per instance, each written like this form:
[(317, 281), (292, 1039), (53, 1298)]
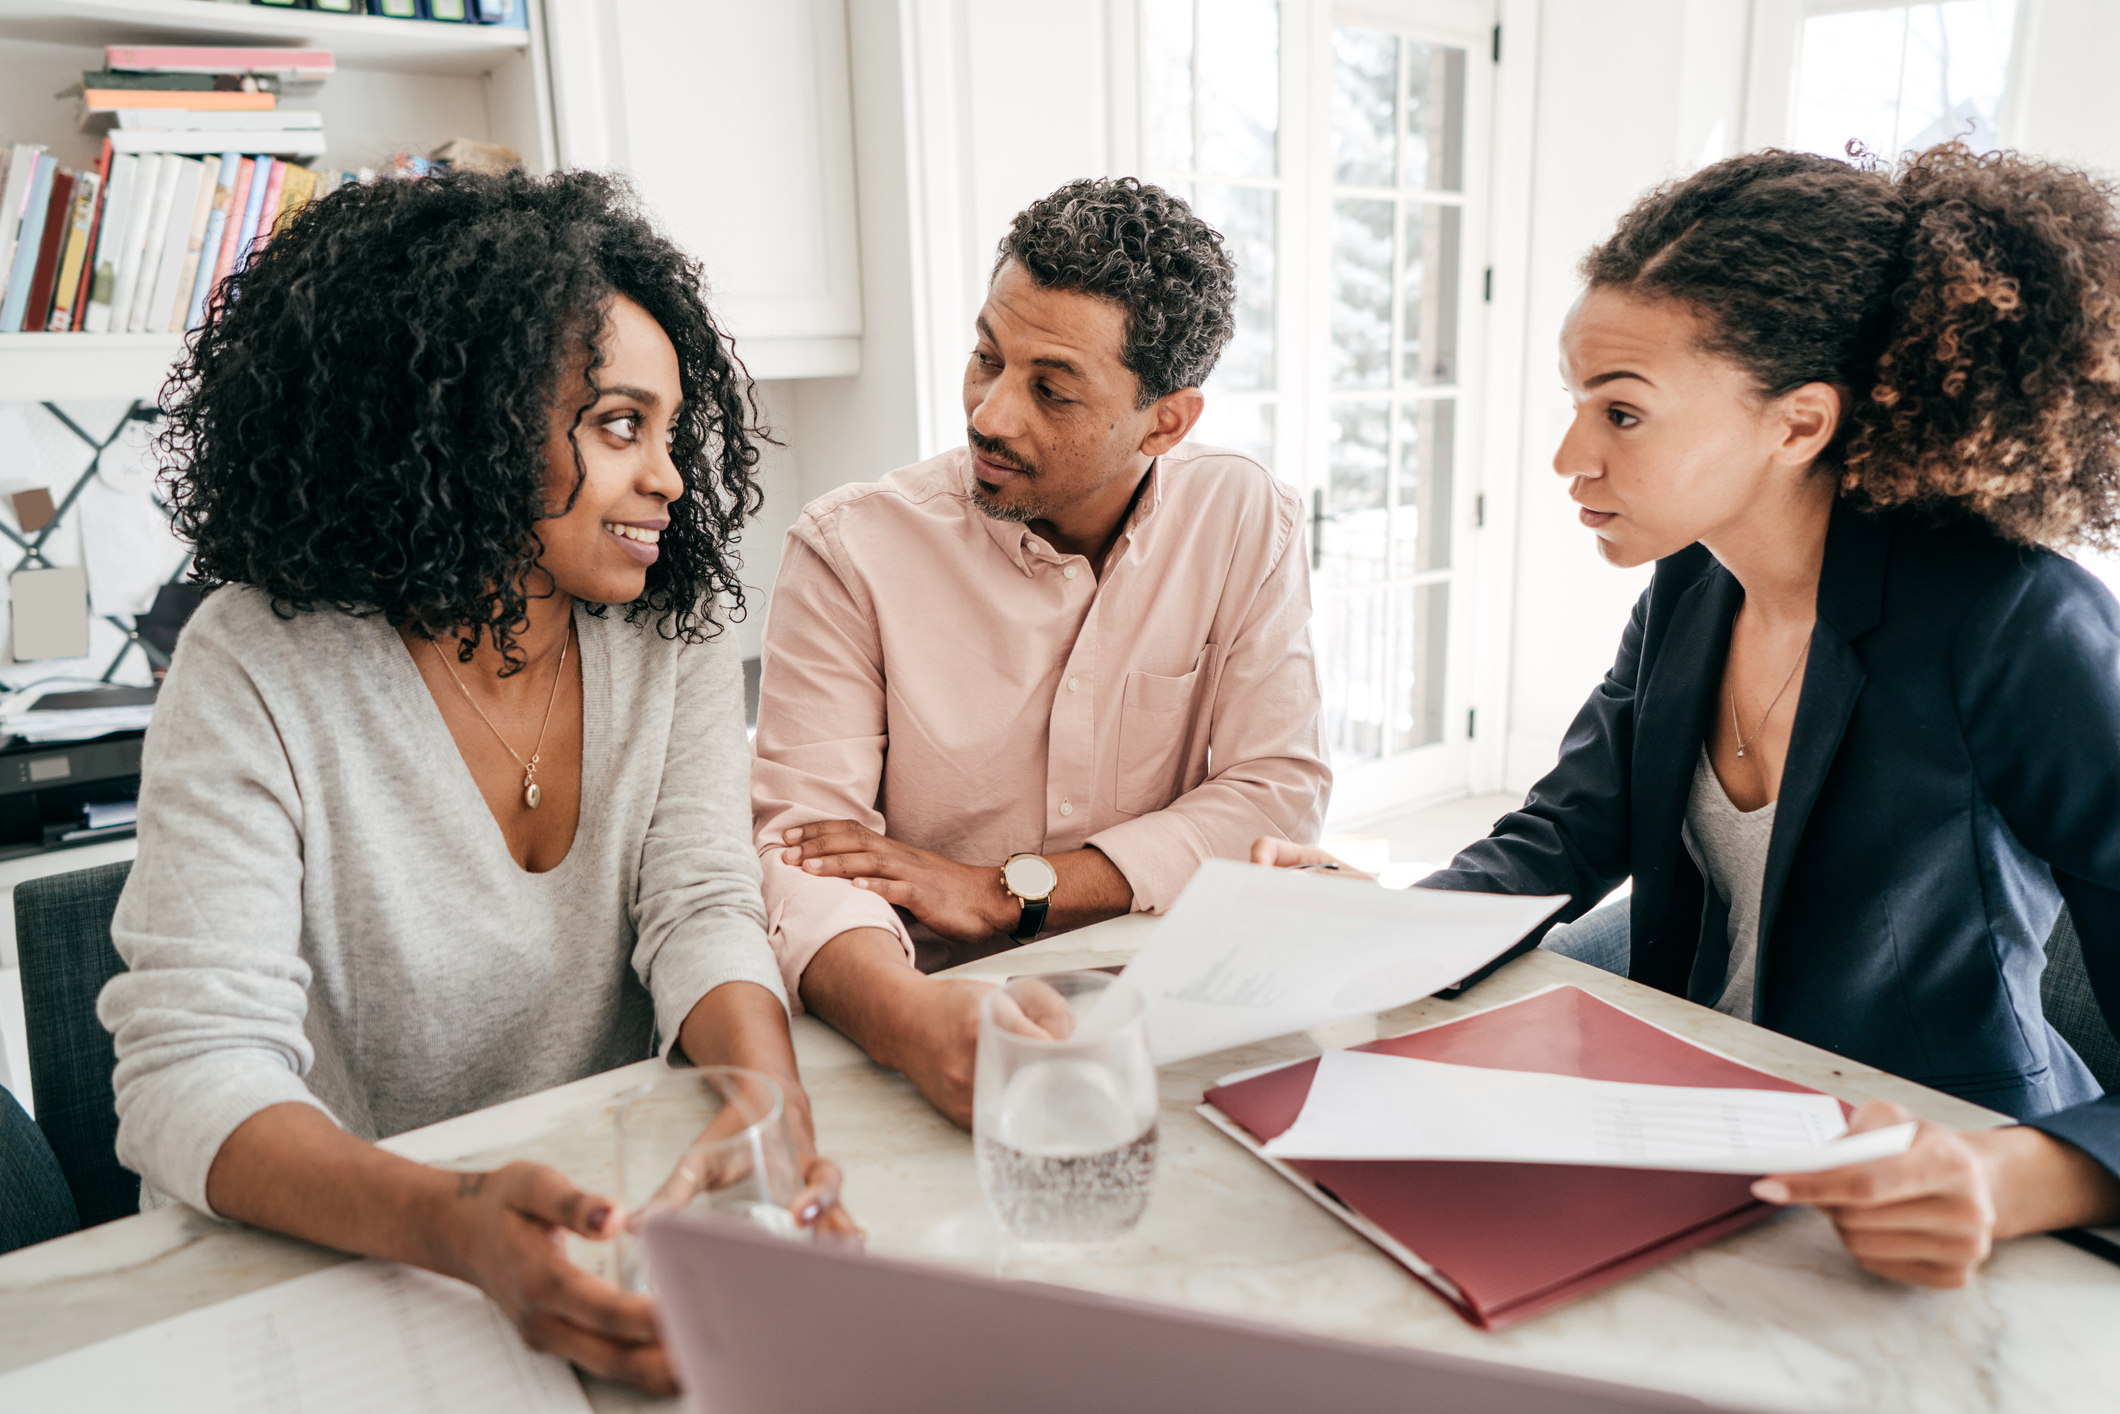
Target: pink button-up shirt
[(953, 681)]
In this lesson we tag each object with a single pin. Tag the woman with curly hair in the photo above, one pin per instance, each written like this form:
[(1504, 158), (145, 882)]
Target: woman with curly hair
[(445, 801), (1862, 740)]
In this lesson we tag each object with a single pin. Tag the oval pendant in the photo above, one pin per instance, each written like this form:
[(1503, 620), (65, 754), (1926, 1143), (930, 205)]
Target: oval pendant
[(532, 795)]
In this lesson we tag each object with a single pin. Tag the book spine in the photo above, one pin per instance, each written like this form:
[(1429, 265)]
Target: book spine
[(186, 119), (132, 255), (268, 205), (109, 100), (21, 169), (224, 194), (66, 290), (58, 216), (201, 142), (260, 175), (167, 83), (95, 231), (24, 267), (110, 241), (184, 201), (194, 242), (232, 232), (217, 59), (153, 235), (294, 194)]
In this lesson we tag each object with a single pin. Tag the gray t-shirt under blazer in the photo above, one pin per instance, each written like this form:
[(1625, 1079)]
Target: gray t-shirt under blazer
[(323, 908), (1730, 846)]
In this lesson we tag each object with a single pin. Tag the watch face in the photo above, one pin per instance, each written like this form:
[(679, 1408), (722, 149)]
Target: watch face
[(1029, 876)]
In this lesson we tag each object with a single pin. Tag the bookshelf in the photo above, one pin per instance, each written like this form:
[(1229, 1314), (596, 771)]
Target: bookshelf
[(39, 368), (401, 85), (636, 85), (361, 40)]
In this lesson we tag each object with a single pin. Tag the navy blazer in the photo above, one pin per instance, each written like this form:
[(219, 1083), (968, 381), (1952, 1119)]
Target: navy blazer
[(1953, 775)]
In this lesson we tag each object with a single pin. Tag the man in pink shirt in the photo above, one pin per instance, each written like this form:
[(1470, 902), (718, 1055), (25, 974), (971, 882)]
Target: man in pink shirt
[(1032, 683)]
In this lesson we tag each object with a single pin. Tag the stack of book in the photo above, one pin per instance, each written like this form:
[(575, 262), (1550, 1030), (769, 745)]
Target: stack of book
[(513, 13), (193, 178)]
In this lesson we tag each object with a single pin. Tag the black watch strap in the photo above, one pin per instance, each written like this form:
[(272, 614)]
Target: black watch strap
[(1033, 919)]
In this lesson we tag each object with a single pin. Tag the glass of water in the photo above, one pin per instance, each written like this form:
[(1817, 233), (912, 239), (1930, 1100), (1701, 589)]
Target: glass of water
[(714, 1139), (1064, 1107)]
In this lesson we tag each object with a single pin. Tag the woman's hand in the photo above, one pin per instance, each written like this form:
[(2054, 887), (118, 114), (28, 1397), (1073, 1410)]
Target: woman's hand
[(502, 1232), (1931, 1215)]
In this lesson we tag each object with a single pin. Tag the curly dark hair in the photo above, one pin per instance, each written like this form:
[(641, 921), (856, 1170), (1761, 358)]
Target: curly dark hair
[(1970, 305), (363, 422), (1145, 250)]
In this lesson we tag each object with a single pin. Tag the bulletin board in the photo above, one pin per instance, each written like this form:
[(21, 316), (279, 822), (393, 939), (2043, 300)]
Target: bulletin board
[(101, 514)]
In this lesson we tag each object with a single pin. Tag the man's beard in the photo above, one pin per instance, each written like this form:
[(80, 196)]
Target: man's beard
[(1021, 514)]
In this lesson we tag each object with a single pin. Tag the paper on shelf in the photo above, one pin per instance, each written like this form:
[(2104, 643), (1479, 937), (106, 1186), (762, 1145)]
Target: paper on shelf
[(1249, 952), (364, 1336), (1365, 1105)]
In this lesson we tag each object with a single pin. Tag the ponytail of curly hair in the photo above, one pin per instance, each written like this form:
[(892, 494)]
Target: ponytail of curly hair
[(1968, 304)]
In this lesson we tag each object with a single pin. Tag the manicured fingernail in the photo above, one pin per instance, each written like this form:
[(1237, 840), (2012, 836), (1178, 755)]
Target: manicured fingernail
[(1768, 1190), (861, 883), (793, 836), (814, 865), (809, 1214), (791, 856), (599, 1216)]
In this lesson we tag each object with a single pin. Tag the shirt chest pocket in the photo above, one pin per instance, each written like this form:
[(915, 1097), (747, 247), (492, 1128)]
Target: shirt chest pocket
[(1163, 734)]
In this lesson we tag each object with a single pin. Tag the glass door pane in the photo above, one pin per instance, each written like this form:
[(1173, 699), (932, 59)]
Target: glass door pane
[(1211, 133), (1383, 554)]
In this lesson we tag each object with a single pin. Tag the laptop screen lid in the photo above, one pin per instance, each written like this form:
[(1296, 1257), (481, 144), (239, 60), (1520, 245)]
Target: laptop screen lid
[(759, 1325)]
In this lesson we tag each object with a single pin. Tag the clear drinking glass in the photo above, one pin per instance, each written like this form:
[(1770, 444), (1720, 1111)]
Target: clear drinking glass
[(1064, 1107), (715, 1139)]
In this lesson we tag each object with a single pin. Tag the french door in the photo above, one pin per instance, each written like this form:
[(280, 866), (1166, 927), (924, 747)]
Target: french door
[(1342, 151)]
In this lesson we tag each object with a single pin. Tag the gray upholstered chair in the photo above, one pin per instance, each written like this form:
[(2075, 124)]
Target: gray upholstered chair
[(62, 931), (2072, 1008)]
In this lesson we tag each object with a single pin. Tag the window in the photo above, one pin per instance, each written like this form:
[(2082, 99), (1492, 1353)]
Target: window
[(1901, 78), (1383, 515), (1335, 151), (1211, 132)]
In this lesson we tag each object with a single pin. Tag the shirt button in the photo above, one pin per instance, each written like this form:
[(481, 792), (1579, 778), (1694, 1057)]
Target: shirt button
[(1066, 808), (1072, 684), (1069, 572)]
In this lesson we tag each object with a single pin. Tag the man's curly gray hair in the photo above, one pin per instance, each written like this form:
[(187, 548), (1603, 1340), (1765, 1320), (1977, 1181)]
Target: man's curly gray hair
[(1143, 249)]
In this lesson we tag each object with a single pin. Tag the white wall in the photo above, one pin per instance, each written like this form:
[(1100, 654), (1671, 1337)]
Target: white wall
[(965, 111), (1630, 93), (2066, 105)]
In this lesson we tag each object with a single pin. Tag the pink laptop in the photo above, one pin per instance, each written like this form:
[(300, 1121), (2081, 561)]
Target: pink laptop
[(759, 1325)]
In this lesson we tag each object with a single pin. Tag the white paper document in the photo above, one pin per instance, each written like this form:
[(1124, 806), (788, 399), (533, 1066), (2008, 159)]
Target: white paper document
[(1249, 952), (365, 1336), (1363, 1105)]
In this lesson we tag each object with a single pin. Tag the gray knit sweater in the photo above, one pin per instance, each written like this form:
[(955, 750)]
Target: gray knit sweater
[(324, 910)]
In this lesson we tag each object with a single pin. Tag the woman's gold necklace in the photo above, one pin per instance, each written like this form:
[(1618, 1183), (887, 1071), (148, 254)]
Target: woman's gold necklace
[(532, 794), (1744, 741)]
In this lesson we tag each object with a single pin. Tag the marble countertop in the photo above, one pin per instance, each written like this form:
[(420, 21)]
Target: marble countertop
[(1776, 1316)]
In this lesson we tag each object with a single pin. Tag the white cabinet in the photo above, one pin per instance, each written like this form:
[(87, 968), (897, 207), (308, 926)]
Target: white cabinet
[(733, 119)]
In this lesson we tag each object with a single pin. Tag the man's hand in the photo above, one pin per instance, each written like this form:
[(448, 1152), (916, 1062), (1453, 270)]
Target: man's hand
[(503, 1229), (1932, 1215), (1277, 853), (964, 903)]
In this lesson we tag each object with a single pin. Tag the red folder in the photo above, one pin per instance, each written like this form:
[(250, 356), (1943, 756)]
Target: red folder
[(1502, 1242)]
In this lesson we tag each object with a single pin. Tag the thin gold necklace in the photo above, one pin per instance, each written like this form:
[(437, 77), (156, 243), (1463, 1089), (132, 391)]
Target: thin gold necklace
[(1744, 741), (532, 794)]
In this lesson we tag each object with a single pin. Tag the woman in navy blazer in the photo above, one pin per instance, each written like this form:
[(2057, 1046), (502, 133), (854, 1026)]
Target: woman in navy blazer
[(1845, 410)]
